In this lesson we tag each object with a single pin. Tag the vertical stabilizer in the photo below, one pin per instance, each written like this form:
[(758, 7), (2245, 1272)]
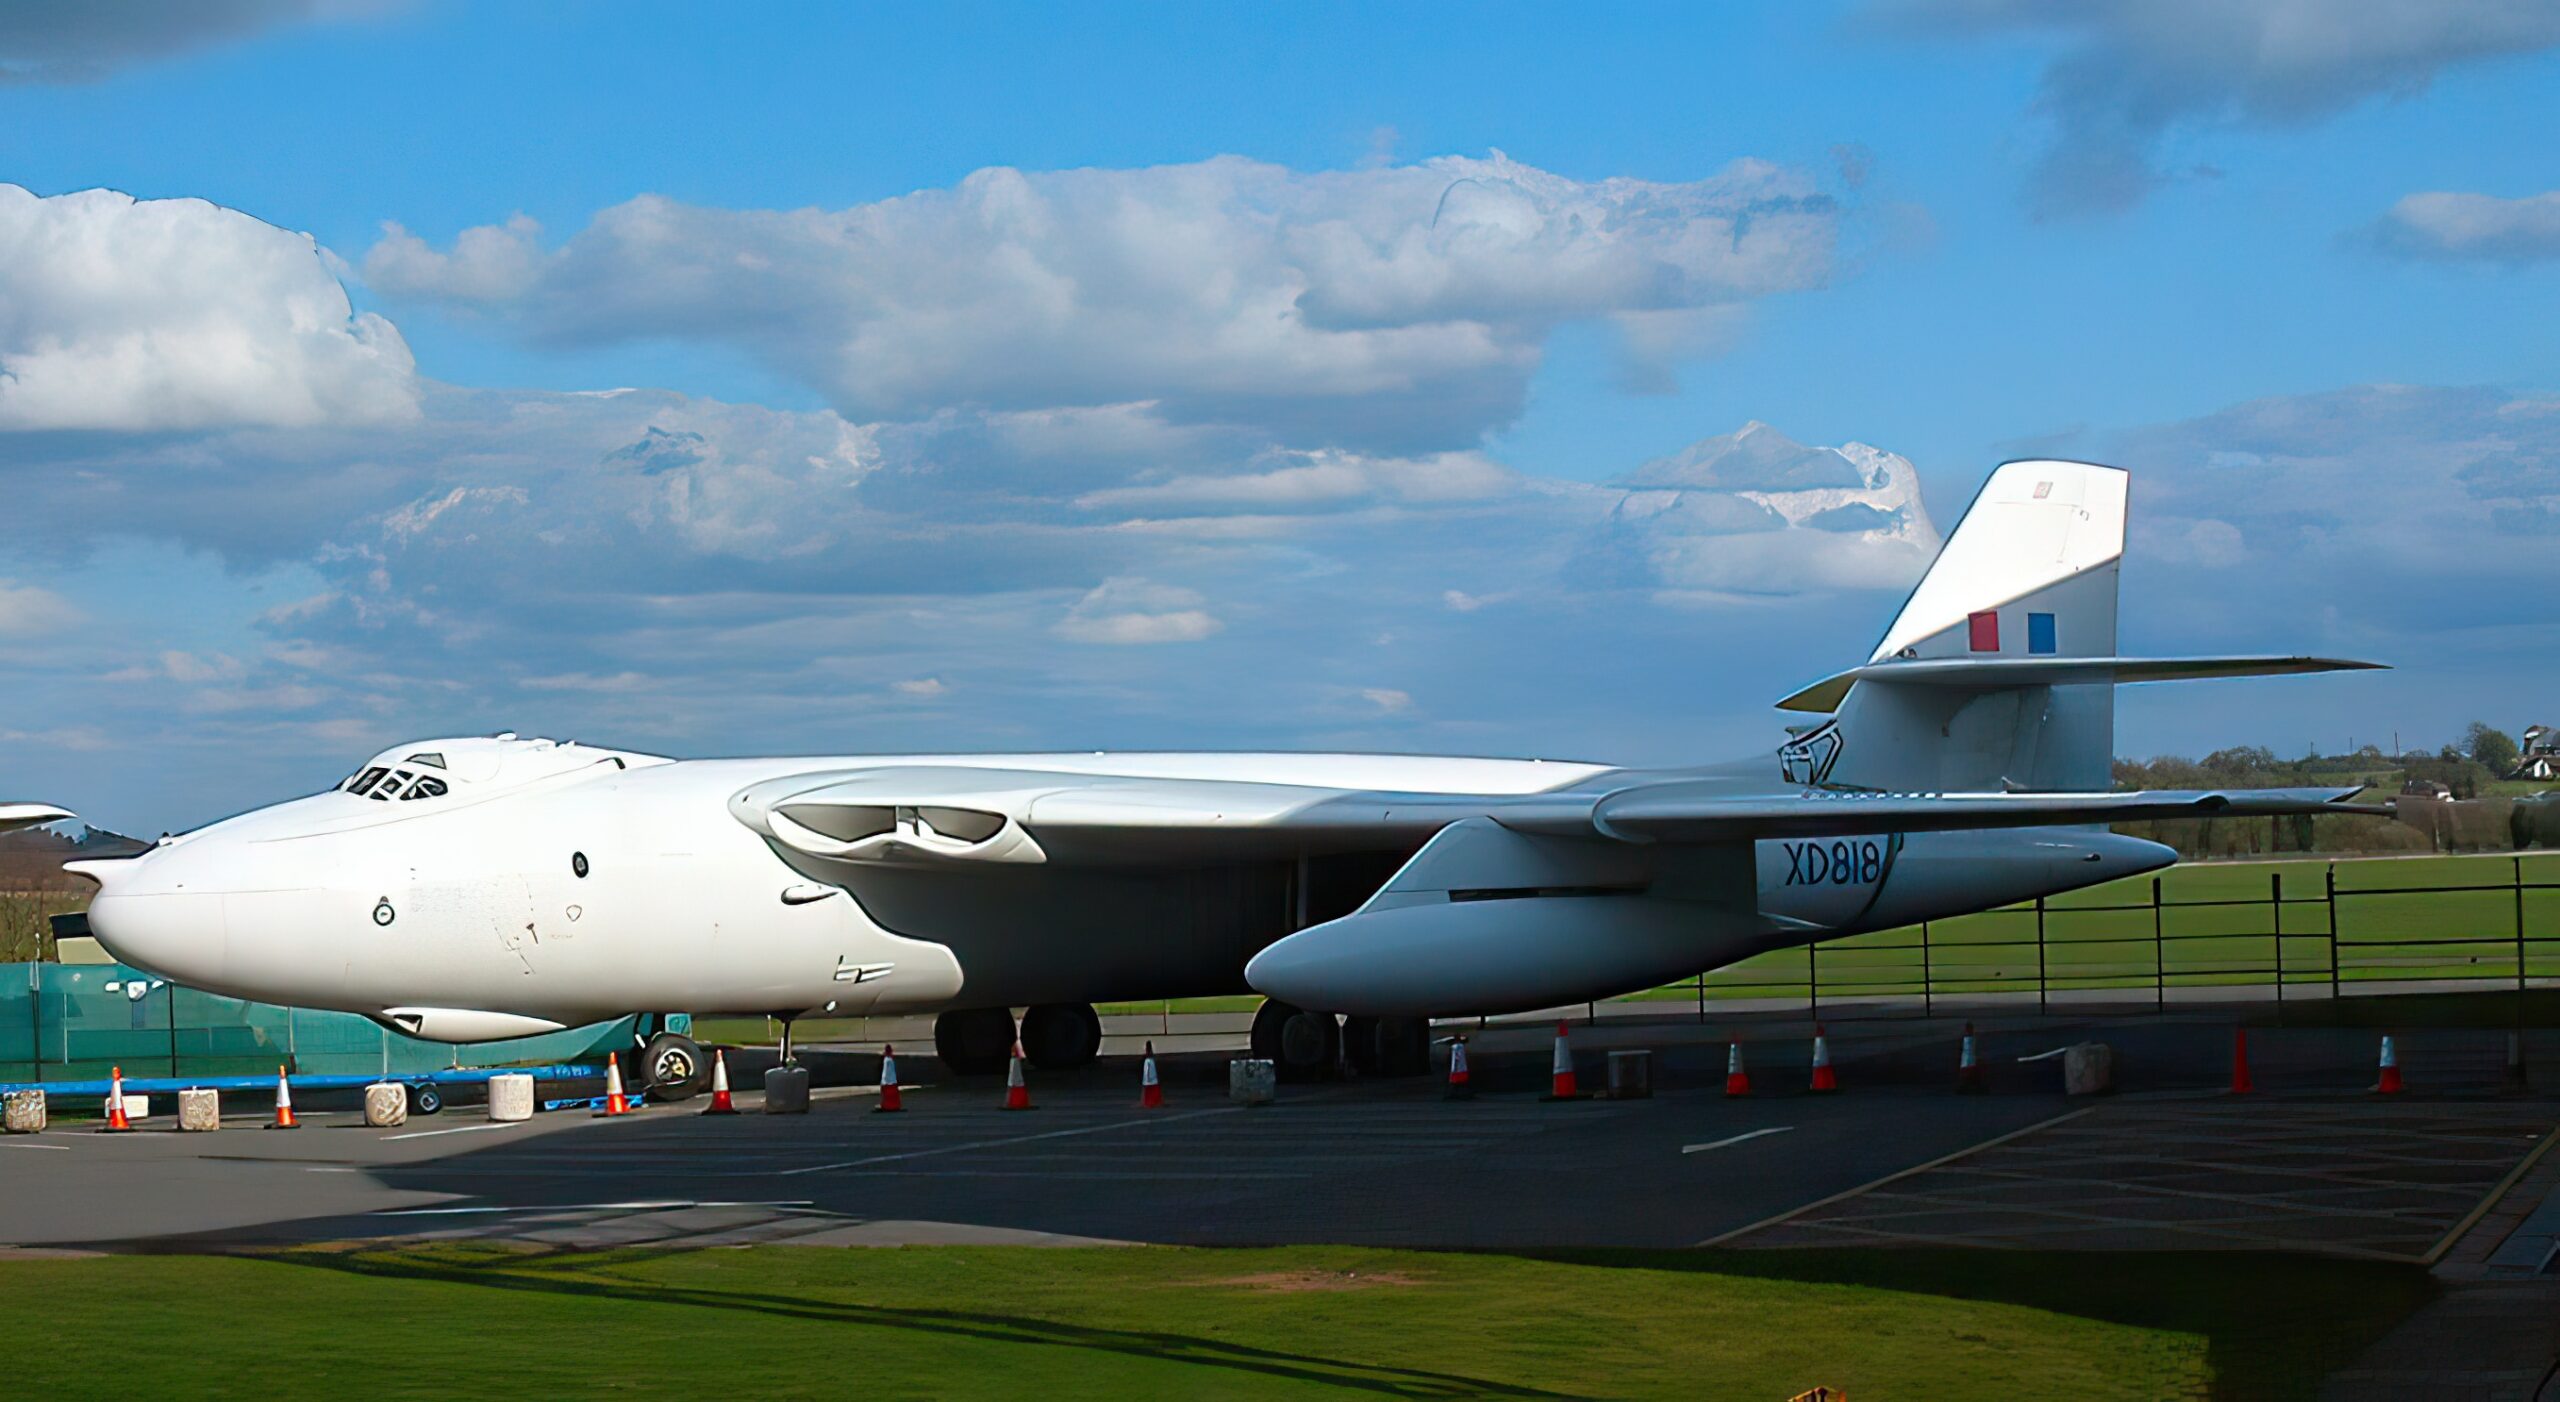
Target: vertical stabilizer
[(2029, 572)]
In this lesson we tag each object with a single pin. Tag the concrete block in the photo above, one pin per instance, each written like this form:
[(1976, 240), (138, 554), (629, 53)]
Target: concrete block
[(1251, 1081), (786, 1090), (1630, 1075), (199, 1110), (25, 1112), (137, 1107), (510, 1098), (2088, 1068), (386, 1103)]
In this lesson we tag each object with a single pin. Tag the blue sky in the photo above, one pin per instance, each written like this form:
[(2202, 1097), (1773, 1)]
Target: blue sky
[(2173, 235)]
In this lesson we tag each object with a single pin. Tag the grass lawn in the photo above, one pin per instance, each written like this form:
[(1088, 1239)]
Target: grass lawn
[(1012, 1323)]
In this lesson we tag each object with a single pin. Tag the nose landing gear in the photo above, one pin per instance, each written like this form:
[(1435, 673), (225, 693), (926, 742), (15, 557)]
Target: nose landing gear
[(672, 1067)]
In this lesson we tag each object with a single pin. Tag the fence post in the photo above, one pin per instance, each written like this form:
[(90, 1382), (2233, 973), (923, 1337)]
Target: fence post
[(1927, 1008), (2159, 954), (2519, 875), (35, 1018), (1813, 978), (2275, 915), (2040, 997), (173, 1029), (2330, 884), (1702, 997)]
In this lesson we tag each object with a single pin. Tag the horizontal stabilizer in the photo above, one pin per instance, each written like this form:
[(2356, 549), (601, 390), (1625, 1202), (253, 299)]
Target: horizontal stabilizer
[(1676, 813), (14, 816), (1993, 673)]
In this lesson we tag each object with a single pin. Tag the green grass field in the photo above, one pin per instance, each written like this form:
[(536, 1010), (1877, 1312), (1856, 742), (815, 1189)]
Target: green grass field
[(1011, 1323)]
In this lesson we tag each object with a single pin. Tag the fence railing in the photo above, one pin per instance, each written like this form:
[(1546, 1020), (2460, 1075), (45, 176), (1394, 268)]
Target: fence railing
[(2290, 932)]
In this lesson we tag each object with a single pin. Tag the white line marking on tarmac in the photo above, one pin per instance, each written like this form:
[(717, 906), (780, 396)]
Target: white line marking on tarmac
[(998, 1143), (1726, 1143), (432, 1133), (664, 1205), (13, 1144)]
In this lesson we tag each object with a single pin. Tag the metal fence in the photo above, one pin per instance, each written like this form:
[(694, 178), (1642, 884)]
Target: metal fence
[(2296, 931), (71, 1022)]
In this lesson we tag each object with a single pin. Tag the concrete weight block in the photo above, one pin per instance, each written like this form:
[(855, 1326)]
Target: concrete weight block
[(386, 1103), (1251, 1081), (1630, 1075), (510, 1098), (199, 1110), (2088, 1068), (786, 1090), (25, 1112)]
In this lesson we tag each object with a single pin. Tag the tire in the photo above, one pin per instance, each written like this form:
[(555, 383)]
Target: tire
[(1061, 1036), (973, 1041), (425, 1099), (1360, 1046), (672, 1067), (1302, 1046)]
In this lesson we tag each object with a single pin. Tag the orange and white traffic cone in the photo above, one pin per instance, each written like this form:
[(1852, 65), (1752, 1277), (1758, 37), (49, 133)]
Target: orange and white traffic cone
[(2241, 1084), (117, 1121), (2390, 1082), (721, 1103), (889, 1091), (1460, 1088), (1150, 1090), (1563, 1087), (284, 1103), (615, 1102), (1824, 1078), (1737, 1082), (1969, 1069), (1017, 1094)]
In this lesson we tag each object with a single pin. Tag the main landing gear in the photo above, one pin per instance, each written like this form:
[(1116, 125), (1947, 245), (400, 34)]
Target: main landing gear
[(1307, 1046), (1055, 1037), (672, 1067)]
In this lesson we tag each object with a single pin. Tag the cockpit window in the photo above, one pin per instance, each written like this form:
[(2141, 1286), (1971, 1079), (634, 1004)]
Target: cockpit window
[(363, 782), (427, 786), (430, 758)]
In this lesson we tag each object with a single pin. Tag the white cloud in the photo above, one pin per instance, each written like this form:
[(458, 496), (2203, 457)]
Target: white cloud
[(921, 688), (1128, 611), (2484, 228), (1386, 698), (1314, 481), (1399, 307), (118, 313), (2133, 72), (28, 610)]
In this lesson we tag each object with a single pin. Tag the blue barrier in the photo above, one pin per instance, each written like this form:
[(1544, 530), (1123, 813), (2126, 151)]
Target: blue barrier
[(151, 1085)]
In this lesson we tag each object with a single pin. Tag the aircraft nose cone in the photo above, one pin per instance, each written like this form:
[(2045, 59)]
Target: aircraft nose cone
[(176, 933)]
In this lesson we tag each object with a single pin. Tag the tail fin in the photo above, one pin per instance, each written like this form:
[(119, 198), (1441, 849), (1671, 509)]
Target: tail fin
[(2000, 671)]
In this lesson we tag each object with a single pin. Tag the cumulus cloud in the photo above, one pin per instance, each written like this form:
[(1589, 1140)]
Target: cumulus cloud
[(2473, 228), (2134, 73), (117, 313), (28, 610), (81, 43), (1129, 611), (1396, 309)]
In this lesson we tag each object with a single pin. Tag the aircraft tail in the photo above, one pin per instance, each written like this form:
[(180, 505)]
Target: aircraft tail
[(2000, 671)]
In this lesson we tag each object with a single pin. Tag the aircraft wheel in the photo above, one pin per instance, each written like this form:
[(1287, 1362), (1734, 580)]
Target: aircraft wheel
[(1061, 1036), (425, 1099), (672, 1067), (1300, 1045), (973, 1041)]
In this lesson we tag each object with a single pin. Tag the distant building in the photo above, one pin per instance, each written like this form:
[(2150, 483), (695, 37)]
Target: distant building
[(2541, 755)]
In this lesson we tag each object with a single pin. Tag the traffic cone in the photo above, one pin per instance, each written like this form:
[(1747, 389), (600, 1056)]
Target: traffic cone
[(2390, 1082), (615, 1103), (1969, 1070), (1737, 1082), (1563, 1087), (1150, 1090), (1823, 1077), (2240, 1082), (720, 1104), (1459, 1087), (284, 1103), (1017, 1095), (116, 1123), (889, 1097)]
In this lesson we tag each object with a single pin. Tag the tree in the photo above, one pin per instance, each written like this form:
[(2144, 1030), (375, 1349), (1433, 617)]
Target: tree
[(2494, 748)]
